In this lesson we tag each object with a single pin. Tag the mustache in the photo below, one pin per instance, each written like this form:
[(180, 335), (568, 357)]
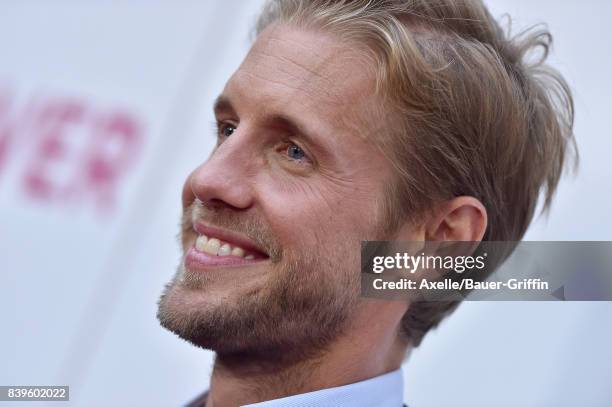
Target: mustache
[(218, 214)]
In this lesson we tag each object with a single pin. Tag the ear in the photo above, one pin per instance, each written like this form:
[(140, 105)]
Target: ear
[(460, 219)]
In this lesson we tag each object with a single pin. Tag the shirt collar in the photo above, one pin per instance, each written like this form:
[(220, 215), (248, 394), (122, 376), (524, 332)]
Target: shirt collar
[(386, 390)]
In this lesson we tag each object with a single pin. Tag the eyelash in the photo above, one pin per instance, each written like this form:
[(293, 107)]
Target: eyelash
[(221, 126)]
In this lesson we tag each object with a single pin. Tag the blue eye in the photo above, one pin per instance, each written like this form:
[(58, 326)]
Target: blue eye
[(295, 153), (226, 130)]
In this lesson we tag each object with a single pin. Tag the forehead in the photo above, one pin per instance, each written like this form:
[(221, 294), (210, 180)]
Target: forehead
[(308, 74)]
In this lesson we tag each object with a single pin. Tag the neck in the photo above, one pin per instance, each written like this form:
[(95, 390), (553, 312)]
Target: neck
[(367, 352)]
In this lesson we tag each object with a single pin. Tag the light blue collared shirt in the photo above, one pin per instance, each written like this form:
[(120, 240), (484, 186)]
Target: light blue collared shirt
[(386, 390)]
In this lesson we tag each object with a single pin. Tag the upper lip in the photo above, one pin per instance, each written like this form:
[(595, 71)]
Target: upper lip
[(232, 238)]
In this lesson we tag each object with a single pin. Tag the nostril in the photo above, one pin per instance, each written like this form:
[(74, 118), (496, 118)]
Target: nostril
[(218, 206)]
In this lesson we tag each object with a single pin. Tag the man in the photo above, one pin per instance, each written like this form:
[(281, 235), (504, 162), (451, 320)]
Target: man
[(350, 121)]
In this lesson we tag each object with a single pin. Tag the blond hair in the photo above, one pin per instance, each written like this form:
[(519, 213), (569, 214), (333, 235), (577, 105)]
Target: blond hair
[(479, 112)]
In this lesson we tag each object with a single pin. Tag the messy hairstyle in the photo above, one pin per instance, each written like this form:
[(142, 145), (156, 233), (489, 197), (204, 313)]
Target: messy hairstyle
[(478, 111)]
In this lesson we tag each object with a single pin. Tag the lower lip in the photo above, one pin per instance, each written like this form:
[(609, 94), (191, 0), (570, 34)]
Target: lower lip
[(199, 260)]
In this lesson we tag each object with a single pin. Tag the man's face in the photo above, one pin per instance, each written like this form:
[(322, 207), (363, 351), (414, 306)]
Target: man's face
[(295, 181)]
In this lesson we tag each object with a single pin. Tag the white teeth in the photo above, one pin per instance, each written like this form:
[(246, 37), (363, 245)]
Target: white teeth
[(237, 251), (224, 250), (216, 247), (200, 243), (212, 246)]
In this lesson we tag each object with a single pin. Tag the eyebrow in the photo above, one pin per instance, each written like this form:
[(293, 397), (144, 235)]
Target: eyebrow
[(223, 104)]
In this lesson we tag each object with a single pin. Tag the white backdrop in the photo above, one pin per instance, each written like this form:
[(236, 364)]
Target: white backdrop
[(105, 107)]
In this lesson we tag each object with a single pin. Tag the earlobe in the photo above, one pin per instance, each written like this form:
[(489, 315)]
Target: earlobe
[(462, 218)]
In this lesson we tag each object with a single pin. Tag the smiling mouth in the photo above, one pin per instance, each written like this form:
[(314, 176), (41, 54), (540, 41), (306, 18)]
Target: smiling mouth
[(215, 247)]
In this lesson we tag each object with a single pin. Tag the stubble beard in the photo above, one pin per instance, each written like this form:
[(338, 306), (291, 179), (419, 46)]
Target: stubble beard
[(304, 304)]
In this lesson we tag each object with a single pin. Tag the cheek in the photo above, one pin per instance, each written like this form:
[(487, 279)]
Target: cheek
[(318, 215)]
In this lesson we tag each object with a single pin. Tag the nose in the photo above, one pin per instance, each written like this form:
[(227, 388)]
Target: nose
[(223, 179)]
